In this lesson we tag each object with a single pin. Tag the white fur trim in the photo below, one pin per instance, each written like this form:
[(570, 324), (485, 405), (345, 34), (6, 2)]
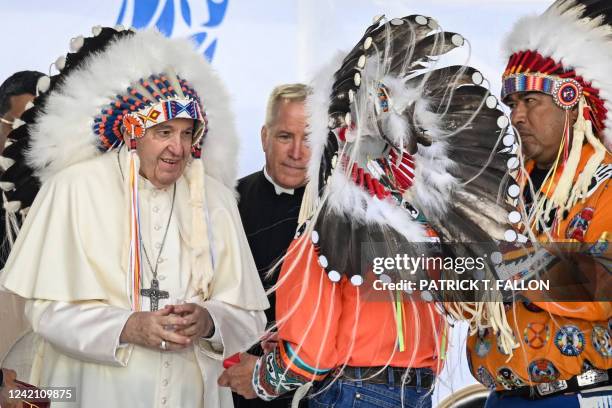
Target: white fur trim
[(63, 136), (317, 106), (433, 184), (580, 44), (348, 199)]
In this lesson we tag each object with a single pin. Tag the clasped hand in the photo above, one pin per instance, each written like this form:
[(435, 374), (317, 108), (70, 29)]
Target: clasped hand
[(178, 325)]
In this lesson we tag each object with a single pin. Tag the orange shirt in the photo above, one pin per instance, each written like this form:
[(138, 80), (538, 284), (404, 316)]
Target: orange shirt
[(557, 340), (329, 324), (586, 221)]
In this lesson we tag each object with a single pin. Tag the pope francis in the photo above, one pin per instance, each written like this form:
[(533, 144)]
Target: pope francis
[(132, 259)]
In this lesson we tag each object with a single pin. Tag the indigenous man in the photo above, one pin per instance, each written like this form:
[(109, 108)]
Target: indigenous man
[(387, 172), (270, 199), (132, 257), (557, 86)]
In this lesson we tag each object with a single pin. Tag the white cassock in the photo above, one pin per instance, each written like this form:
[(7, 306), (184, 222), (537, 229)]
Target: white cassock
[(70, 262)]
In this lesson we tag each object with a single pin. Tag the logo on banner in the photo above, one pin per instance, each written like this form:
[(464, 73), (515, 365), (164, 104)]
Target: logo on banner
[(196, 19)]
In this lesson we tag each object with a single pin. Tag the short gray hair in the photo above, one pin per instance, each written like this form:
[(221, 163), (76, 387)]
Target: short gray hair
[(284, 93)]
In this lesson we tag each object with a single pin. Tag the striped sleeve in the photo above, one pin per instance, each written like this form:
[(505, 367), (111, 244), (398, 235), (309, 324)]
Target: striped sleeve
[(282, 370)]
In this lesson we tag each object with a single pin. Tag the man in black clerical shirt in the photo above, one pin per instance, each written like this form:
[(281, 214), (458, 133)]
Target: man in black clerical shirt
[(270, 199)]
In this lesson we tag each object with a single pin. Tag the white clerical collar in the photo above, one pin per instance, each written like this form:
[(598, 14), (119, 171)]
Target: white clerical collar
[(278, 189)]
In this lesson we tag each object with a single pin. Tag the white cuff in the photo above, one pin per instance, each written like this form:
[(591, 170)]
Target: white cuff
[(236, 329)]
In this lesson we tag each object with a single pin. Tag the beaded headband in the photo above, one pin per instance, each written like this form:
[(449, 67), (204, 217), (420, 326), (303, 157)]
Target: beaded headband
[(566, 92), (137, 123), (148, 103), (530, 71)]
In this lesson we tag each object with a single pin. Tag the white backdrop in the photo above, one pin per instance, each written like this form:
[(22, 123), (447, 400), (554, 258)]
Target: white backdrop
[(257, 44)]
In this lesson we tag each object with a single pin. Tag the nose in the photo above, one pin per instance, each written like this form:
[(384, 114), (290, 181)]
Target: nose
[(297, 149), (174, 144), (518, 114)]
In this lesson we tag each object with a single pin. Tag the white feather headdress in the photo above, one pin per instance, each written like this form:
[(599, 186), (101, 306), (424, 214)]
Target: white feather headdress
[(575, 35)]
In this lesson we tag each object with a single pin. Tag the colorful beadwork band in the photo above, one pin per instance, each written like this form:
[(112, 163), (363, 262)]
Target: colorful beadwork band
[(566, 92), (146, 103), (138, 122)]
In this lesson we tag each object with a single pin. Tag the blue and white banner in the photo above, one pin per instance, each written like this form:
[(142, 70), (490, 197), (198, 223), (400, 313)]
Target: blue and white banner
[(197, 20)]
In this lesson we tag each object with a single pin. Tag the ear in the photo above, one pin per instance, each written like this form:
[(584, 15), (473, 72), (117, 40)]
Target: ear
[(264, 137)]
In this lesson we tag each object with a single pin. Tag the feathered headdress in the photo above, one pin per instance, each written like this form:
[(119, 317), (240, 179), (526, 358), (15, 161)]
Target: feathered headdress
[(404, 147), (408, 157), (111, 87), (566, 53)]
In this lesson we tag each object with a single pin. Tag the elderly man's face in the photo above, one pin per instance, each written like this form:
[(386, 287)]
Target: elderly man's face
[(17, 103), (540, 124), (284, 143), (164, 151)]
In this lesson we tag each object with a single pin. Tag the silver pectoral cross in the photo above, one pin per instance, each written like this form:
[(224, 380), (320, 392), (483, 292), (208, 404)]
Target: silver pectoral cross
[(154, 294)]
